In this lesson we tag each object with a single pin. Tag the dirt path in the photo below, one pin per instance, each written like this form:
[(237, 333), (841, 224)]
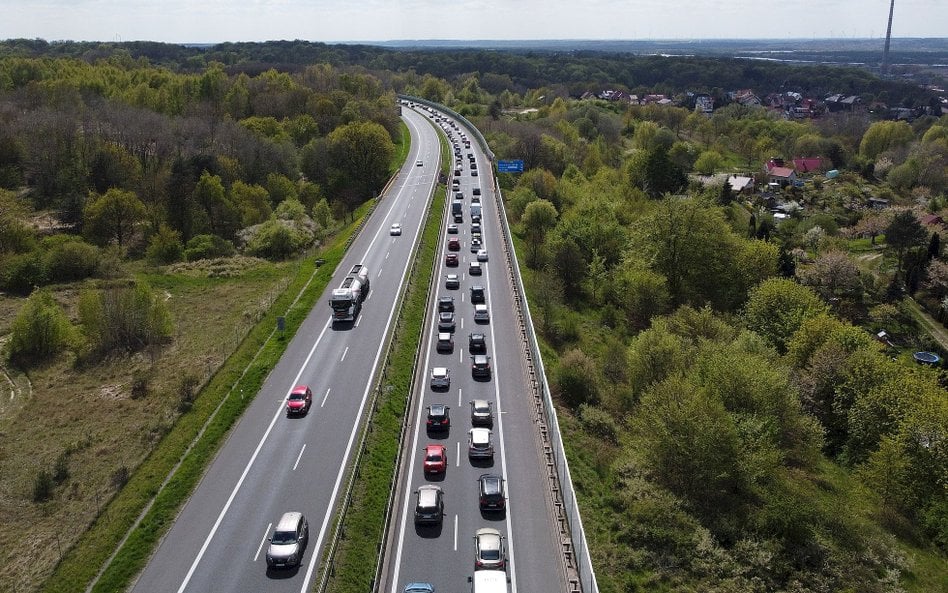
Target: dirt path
[(936, 329)]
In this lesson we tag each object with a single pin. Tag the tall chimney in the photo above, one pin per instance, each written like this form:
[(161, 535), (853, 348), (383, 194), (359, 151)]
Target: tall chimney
[(888, 38)]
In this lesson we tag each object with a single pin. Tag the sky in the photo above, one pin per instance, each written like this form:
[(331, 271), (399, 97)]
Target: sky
[(211, 21)]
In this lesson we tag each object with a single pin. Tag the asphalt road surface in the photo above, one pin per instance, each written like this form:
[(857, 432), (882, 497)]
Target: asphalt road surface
[(271, 464), (444, 556)]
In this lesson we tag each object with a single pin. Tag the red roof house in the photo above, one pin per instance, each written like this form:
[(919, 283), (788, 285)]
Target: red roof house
[(813, 164)]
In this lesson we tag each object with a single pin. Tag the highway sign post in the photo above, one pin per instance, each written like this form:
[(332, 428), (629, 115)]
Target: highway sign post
[(510, 166)]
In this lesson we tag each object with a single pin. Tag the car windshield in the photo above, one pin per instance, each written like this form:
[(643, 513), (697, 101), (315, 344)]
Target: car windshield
[(282, 538), (481, 408), (490, 554), (434, 457), (297, 396)]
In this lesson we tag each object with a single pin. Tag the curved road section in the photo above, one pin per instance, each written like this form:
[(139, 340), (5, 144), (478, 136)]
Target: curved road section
[(444, 554), (271, 463)]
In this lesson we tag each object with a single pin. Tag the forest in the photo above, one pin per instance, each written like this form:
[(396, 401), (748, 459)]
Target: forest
[(733, 420)]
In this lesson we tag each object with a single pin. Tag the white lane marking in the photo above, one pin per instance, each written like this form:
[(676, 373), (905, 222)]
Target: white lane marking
[(344, 352), (243, 476), (358, 321), (503, 455), (457, 462), (299, 457), (459, 398), (462, 323), (326, 397), (388, 254), (377, 275), (455, 533), (262, 541), (345, 459)]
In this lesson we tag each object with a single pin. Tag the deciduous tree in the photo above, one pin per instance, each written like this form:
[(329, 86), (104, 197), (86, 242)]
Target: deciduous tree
[(112, 216)]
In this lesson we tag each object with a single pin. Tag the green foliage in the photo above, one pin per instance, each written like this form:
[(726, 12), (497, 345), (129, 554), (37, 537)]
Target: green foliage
[(165, 247), (290, 209), (20, 274), (208, 247), (68, 258), (280, 188), (252, 201), (276, 240), (884, 135), (40, 329), (574, 379), (777, 308), (15, 235), (112, 216), (123, 317), (217, 214), (359, 156), (322, 214), (708, 162), (42, 486), (904, 233), (538, 218)]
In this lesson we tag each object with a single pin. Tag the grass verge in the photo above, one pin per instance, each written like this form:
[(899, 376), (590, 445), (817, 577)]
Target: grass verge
[(81, 564), (363, 527), (401, 148)]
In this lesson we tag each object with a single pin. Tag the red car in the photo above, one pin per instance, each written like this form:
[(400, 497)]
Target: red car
[(301, 398), (454, 244), (436, 459), (451, 259)]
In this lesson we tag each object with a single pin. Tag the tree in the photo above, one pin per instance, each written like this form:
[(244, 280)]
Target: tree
[(574, 379), (708, 162), (251, 201), (777, 307), (884, 135), (904, 233), (834, 275), (538, 218), (360, 155), (222, 216), (112, 216), (872, 225), (40, 329), (165, 247)]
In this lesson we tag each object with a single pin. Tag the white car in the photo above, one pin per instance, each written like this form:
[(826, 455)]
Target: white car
[(452, 281), (419, 163), (482, 255), (481, 314), (479, 445), (440, 379), (396, 230)]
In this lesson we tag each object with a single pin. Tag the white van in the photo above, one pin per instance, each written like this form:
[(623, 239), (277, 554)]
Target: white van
[(489, 581)]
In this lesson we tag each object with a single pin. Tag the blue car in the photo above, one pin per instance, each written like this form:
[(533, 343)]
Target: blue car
[(419, 588)]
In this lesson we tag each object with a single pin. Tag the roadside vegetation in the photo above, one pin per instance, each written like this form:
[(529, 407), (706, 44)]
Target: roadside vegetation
[(734, 418)]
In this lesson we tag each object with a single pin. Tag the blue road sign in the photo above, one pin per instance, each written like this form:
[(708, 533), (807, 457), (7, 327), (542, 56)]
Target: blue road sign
[(515, 166)]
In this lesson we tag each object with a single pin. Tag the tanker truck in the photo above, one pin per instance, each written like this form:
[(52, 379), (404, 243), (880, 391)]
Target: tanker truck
[(346, 301)]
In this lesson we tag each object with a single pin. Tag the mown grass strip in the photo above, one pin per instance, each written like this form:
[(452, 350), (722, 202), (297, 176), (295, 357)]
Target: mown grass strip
[(84, 560), (357, 554)]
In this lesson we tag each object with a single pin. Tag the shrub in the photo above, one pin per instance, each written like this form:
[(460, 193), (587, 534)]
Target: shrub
[(290, 209), (42, 486), (61, 469), (599, 423), (186, 392), (40, 329), (22, 273), (70, 258), (123, 317), (164, 246), (574, 380), (274, 240), (208, 247)]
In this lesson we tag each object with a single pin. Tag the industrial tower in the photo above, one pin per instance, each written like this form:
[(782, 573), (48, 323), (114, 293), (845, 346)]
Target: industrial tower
[(888, 38)]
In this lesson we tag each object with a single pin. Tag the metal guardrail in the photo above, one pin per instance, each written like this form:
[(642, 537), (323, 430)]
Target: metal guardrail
[(474, 131), (577, 562), (329, 555)]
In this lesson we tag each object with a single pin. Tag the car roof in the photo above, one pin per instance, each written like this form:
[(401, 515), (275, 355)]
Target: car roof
[(452, 276), (480, 307), (300, 389), (428, 495), (289, 521), (480, 435), (491, 483), (419, 588), (444, 336), (437, 408), (480, 404), (480, 358), (439, 371)]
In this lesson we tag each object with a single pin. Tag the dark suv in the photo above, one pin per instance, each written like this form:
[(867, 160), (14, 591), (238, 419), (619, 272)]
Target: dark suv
[(429, 505), (438, 417), (491, 494), (446, 303), (480, 366), (477, 294), (477, 344)]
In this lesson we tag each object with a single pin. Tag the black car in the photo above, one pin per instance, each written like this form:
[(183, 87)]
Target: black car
[(477, 344), (429, 505), (477, 294), (480, 366), (438, 417), (446, 322), (491, 493), (445, 303)]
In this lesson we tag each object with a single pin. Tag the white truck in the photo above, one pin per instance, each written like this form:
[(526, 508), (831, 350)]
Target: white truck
[(346, 301)]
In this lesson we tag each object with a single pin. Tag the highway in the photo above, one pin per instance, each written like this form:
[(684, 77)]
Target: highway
[(270, 463), (444, 556)]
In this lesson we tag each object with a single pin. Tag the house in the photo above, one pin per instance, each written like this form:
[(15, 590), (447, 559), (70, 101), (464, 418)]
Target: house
[(741, 184), (782, 176), (704, 104), (933, 221), (815, 164)]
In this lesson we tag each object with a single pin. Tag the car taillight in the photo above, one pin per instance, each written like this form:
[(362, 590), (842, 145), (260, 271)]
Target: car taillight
[(483, 500), (429, 423)]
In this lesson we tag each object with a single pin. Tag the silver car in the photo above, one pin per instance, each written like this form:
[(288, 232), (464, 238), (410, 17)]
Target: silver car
[(482, 412), (440, 378), (479, 445), (288, 541), (490, 553)]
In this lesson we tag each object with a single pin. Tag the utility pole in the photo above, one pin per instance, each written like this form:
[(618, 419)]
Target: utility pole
[(888, 39)]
